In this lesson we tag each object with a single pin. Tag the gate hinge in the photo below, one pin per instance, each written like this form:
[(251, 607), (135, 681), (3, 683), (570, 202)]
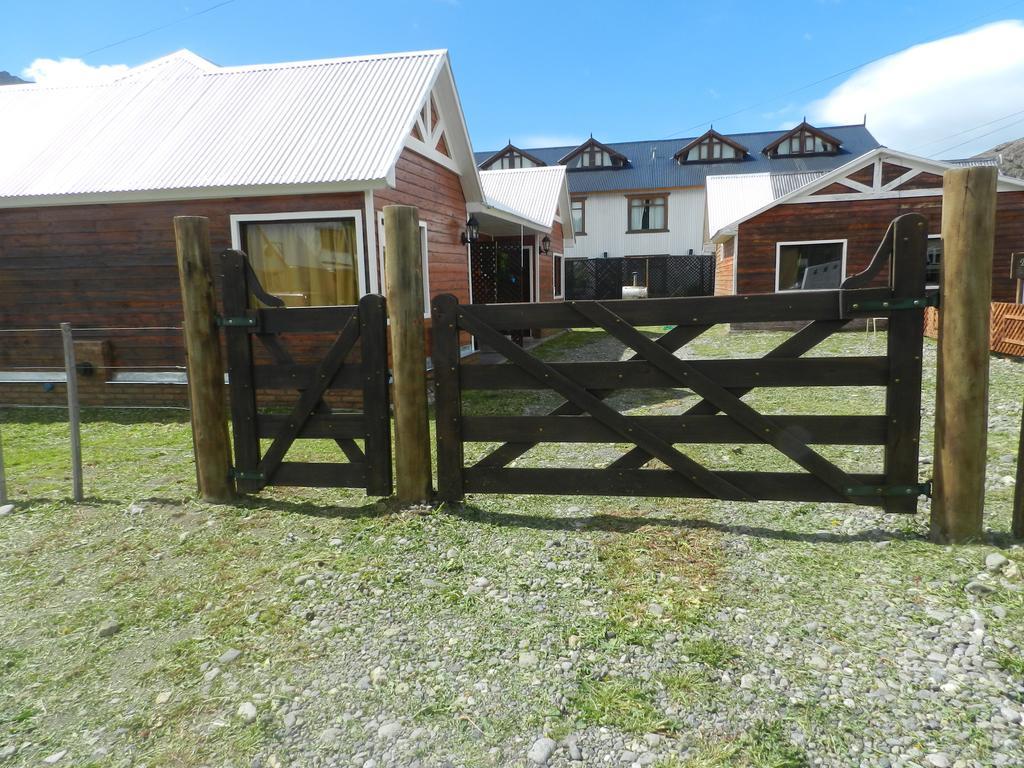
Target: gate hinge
[(890, 305), (235, 322), (242, 474), (916, 489)]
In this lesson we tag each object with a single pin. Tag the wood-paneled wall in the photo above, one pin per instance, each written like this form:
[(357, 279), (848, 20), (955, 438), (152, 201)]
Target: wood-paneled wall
[(111, 266), (863, 223), (114, 266), (437, 193)]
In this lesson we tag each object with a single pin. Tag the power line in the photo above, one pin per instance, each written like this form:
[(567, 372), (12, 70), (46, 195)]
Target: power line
[(967, 130), (836, 74), (158, 28), (980, 136)]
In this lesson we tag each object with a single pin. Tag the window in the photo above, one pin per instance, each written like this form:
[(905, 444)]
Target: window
[(810, 266), (648, 214), (308, 259), (424, 256), (592, 157), (803, 141), (579, 215), (933, 261), (558, 275), (594, 154), (513, 160)]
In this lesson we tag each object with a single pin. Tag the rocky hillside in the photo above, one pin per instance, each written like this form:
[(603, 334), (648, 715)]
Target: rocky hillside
[(1009, 156), (6, 78)]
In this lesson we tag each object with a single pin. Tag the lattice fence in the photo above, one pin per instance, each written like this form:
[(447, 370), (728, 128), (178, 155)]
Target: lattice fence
[(663, 276), (1006, 336)]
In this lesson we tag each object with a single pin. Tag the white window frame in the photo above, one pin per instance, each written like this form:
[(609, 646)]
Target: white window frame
[(778, 259), (237, 219), (424, 255), (561, 282)]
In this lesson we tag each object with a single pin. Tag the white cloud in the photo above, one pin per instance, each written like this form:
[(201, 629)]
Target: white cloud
[(71, 72), (931, 97)]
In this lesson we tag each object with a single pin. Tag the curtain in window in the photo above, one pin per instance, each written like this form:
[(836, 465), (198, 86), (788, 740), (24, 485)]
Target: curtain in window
[(647, 214), (306, 263)]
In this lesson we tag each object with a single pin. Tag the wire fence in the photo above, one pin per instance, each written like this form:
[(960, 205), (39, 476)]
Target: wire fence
[(50, 357)]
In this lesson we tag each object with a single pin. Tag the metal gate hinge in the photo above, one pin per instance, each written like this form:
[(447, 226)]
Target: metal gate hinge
[(916, 489), (241, 474), (931, 300), (235, 322)]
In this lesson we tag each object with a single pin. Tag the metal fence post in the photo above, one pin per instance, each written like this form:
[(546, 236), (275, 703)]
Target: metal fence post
[(74, 417), (3, 477)]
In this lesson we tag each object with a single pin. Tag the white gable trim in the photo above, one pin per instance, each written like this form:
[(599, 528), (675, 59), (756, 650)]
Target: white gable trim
[(878, 156), (450, 114)]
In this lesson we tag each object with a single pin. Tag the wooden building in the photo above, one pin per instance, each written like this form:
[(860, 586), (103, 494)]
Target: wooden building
[(291, 162), (811, 235), (645, 198)]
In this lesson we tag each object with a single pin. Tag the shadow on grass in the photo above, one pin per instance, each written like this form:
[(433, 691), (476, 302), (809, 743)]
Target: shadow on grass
[(614, 524)]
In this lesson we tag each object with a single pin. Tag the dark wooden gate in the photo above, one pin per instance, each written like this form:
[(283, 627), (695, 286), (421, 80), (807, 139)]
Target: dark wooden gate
[(721, 416), (355, 360)]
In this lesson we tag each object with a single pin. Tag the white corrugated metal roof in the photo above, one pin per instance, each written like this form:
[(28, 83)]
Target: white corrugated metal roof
[(181, 123), (733, 196), (530, 193)]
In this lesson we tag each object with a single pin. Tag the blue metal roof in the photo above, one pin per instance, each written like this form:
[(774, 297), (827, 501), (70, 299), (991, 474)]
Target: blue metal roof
[(651, 165)]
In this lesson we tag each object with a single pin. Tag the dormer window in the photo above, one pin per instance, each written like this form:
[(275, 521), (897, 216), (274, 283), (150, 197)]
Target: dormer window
[(592, 154), (712, 147), (511, 157), (803, 140)]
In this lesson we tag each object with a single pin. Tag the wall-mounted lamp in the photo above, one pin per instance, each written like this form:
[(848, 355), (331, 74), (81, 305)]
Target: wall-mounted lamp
[(545, 245), (472, 233)]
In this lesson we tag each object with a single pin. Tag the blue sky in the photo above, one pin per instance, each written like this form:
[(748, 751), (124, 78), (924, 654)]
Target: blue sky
[(553, 72)]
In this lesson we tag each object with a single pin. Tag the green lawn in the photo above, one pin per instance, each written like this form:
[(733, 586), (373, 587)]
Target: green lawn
[(572, 580)]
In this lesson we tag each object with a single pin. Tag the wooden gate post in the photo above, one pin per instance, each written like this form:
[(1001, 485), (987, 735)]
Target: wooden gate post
[(403, 268), (961, 407), (203, 358)]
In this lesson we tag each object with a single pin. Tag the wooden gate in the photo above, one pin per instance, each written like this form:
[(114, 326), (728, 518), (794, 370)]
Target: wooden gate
[(356, 360), (721, 416)]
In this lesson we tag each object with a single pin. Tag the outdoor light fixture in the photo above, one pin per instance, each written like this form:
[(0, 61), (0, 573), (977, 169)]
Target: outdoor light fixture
[(545, 245), (472, 233)]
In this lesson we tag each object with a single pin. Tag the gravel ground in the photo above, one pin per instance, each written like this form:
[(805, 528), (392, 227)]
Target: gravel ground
[(305, 629)]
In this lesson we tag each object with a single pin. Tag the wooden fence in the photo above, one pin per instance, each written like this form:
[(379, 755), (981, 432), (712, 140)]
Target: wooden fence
[(1006, 336)]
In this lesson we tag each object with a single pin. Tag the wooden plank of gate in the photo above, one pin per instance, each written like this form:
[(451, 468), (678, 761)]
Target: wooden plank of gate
[(448, 399), (299, 381), (674, 339), (905, 342), (742, 373), (376, 410), (328, 426), (817, 430), (320, 475), (800, 342), (768, 486), (570, 390), (688, 376), (700, 310), (238, 341), (309, 399)]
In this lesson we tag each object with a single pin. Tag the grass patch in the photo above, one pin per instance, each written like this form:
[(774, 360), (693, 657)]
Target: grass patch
[(764, 746), (621, 703), (711, 652), (1012, 663)]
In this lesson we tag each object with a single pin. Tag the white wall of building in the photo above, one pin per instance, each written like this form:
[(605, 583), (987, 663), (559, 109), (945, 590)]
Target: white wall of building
[(606, 223)]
